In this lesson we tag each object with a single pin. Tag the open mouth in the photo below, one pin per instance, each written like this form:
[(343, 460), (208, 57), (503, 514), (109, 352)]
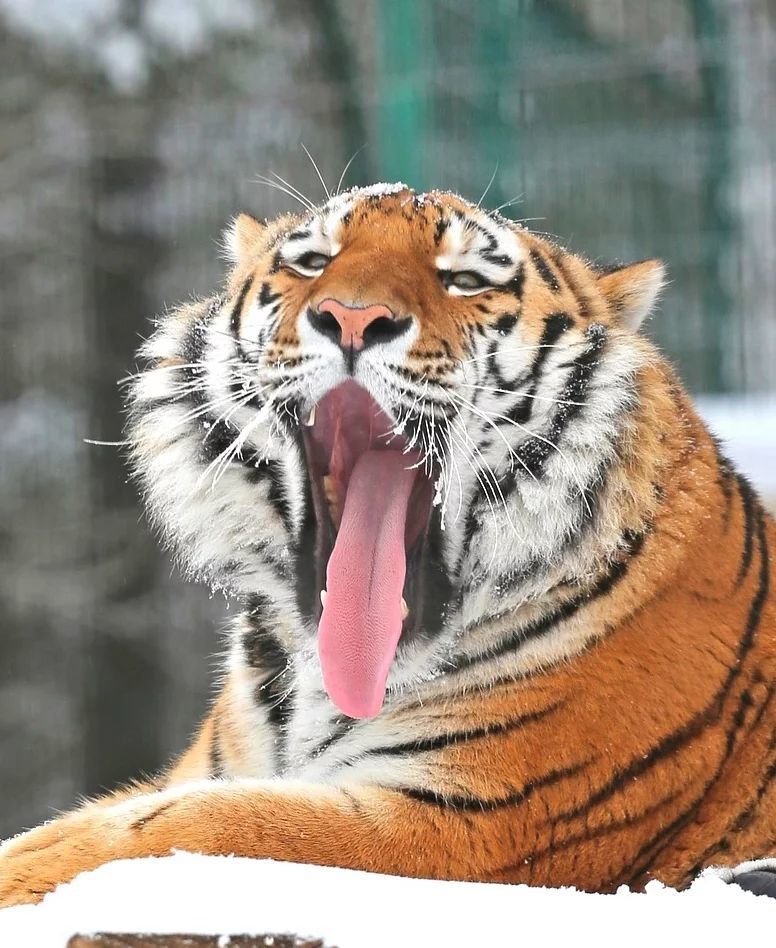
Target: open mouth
[(372, 502)]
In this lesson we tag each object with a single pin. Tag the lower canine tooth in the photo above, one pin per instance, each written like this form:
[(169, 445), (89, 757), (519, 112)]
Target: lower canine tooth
[(311, 420), (330, 493), (323, 597), (405, 609)]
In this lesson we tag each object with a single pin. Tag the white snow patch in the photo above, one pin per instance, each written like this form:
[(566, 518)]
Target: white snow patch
[(225, 895), (747, 429), (381, 189)]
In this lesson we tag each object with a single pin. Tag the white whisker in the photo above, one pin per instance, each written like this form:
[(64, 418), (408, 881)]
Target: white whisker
[(488, 186), (295, 190), (317, 171), (347, 166), (520, 394)]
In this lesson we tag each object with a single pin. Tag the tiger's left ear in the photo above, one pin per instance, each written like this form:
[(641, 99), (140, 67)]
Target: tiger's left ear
[(242, 237), (632, 289)]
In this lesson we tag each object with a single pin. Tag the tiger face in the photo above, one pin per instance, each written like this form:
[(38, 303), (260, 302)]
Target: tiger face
[(395, 426)]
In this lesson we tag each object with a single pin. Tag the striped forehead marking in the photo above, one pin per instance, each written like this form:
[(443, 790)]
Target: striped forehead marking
[(470, 242)]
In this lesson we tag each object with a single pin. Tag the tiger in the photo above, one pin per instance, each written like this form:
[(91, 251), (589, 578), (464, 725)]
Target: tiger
[(505, 609)]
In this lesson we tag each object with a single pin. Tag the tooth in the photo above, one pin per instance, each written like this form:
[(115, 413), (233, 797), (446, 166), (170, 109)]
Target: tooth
[(311, 420), (323, 597), (330, 493), (405, 609)]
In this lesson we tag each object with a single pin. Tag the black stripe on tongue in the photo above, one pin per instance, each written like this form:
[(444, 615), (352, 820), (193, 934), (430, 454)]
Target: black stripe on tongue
[(362, 616)]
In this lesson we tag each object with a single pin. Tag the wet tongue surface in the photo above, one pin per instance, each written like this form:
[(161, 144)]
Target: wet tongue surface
[(362, 621)]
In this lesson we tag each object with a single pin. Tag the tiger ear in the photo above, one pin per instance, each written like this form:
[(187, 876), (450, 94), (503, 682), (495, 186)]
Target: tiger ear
[(242, 237), (632, 289)]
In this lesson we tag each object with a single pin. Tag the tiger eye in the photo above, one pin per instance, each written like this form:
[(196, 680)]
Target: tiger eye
[(313, 261), (467, 280)]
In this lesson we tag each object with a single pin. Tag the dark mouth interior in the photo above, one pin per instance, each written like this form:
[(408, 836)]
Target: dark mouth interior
[(347, 423)]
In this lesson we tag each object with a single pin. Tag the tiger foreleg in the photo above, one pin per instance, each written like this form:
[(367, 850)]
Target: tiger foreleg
[(360, 828)]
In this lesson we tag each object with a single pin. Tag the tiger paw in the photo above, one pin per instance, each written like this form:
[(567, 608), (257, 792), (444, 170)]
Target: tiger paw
[(35, 863), (758, 876)]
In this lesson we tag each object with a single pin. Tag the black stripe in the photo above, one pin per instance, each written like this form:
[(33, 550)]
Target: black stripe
[(266, 655), (236, 315), (587, 501), (193, 347), (533, 453), (556, 846), (492, 369), (407, 373), (219, 437), (491, 252), (555, 324), (516, 284), (497, 259), (276, 495), (658, 844), (441, 741), (313, 542), (726, 475), (505, 323), (263, 549), (276, 697), (263, 651), (467, 803), (260, 470), (215, 757), (266, 296), (471, 525), (441, 226), (341, 726), (604, 585), (740, 823), (545, 271), (697, 724), (749, 507), (581, 295)]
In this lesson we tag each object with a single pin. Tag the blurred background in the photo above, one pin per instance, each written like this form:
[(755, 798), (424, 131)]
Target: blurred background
[(133, 129)]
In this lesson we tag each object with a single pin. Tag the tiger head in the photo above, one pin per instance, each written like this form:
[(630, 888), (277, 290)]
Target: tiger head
[(396, 424)]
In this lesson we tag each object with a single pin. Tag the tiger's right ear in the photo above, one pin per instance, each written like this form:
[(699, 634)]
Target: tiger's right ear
[(633, 289), (242, 238)]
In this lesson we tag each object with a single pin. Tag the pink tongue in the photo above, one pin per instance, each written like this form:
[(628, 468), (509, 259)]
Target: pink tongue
[(361, 622)]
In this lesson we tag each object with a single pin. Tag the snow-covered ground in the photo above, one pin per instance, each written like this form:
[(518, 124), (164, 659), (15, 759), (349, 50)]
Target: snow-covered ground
[(225, 895)]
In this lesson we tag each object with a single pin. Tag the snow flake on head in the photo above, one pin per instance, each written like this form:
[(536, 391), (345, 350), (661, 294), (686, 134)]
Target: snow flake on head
[(338, 206), (382, 189)]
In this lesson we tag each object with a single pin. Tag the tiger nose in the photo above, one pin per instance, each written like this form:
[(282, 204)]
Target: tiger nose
[(355, 327)]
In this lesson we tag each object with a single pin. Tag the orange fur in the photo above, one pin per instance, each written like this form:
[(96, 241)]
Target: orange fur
[(650, 754)]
